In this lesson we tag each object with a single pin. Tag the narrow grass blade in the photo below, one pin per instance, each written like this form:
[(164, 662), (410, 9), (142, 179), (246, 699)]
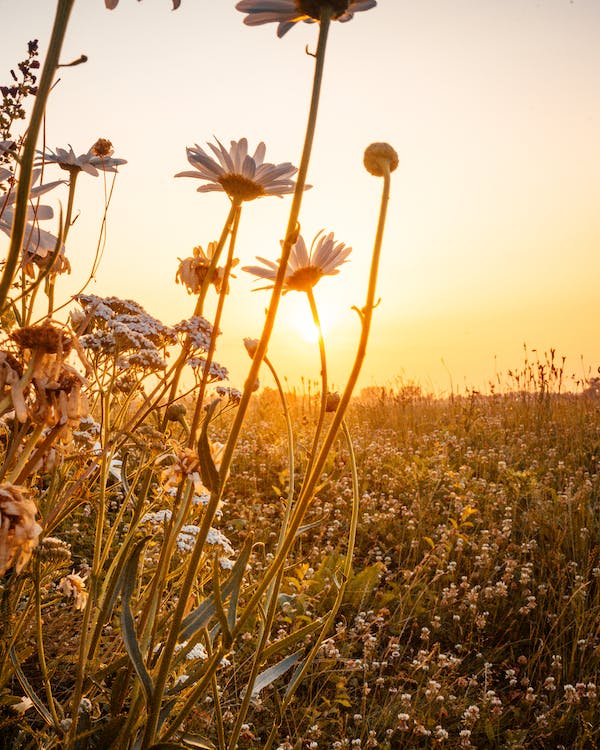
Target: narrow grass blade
[(130, 640), (265, 678), (201, 616)]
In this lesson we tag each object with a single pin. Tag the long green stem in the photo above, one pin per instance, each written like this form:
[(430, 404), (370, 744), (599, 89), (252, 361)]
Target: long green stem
[(323, 405), (290, 237), (61, 20), (51, 281), (310, 482), (273, 592)]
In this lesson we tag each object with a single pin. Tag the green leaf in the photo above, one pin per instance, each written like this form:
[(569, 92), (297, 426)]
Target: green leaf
[(194, 740), (284, 643), (132, 646), (269, 675), (29, 691), (201, 616), (360, 587), (208, 470)]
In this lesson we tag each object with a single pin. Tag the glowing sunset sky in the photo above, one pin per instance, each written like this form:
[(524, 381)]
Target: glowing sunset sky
[(493, 236)]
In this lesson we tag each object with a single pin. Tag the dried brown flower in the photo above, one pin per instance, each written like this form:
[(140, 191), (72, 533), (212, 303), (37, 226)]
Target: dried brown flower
[(19, 530)]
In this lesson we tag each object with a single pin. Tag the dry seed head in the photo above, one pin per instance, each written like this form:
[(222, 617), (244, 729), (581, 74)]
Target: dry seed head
[(54, 551), (102, 148), (19, 530), (44, 338), (379, 158)]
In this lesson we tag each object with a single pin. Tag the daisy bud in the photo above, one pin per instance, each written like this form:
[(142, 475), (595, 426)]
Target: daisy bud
[(102, 148), (332, 401), (379, 157), (251, 346)]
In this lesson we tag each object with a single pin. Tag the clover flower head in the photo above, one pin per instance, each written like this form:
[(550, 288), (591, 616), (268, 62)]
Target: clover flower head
[(235, 172), (304, 269), (98, 157), (286, 13)]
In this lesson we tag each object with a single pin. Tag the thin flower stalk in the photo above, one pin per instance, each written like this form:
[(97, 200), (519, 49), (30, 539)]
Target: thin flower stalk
[(61, 19), (37, 587), (341, 590), (272, 595), (323, 356), (216, 325), (210, 510), (51, 280), (181, 360), (308, 488)]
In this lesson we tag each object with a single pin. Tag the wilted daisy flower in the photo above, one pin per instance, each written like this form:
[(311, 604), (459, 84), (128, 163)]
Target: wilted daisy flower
[(192, 271), (73, 586), (98, 157), (304, 269), (19, 530), (288, 12), (235, 172)]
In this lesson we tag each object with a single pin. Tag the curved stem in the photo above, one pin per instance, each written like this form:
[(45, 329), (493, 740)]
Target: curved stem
[(290, 238), (61, 20), (323, 406)]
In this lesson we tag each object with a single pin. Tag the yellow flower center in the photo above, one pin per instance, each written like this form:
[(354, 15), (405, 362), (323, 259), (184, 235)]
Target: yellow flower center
[(243, 188), (313, 8), (304, 278)]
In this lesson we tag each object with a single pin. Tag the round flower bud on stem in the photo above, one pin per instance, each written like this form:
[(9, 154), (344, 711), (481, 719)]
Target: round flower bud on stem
[(380, 157)]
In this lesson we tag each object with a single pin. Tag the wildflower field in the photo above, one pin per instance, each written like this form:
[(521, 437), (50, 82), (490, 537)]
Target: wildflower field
[(186, 564)]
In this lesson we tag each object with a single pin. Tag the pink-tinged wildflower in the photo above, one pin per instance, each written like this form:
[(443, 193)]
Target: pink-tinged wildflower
[(98, 157), (235, 172), (304, 269), (286, 13)]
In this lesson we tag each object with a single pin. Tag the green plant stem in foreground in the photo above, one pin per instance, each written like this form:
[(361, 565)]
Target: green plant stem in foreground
[(290, 236), (61, 20)]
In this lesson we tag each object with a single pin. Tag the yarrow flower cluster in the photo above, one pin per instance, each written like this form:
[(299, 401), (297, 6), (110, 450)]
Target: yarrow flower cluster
[(120, 327)]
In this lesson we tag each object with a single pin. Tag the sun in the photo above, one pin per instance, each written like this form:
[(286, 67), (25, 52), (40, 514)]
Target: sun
[(303, 323)]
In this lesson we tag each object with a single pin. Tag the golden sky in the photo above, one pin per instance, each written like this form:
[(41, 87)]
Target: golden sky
[(493, 237)]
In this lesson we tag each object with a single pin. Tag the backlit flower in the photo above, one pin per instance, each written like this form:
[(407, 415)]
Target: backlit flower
[(235, 172), (288, 12), (37, 243), (112, 4), (90, 162), (73, 586), (19, 530), (192, 271), (304, 269)]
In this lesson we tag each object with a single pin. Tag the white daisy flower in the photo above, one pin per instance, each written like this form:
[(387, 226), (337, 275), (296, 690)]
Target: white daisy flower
[(235, 172), (304, 269), (90, 162), (288, 12), (37, 243)]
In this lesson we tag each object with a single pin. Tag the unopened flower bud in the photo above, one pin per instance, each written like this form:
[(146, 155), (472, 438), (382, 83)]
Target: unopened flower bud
[(251, 346), (380, 157), (102, 148), (332, 401)]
